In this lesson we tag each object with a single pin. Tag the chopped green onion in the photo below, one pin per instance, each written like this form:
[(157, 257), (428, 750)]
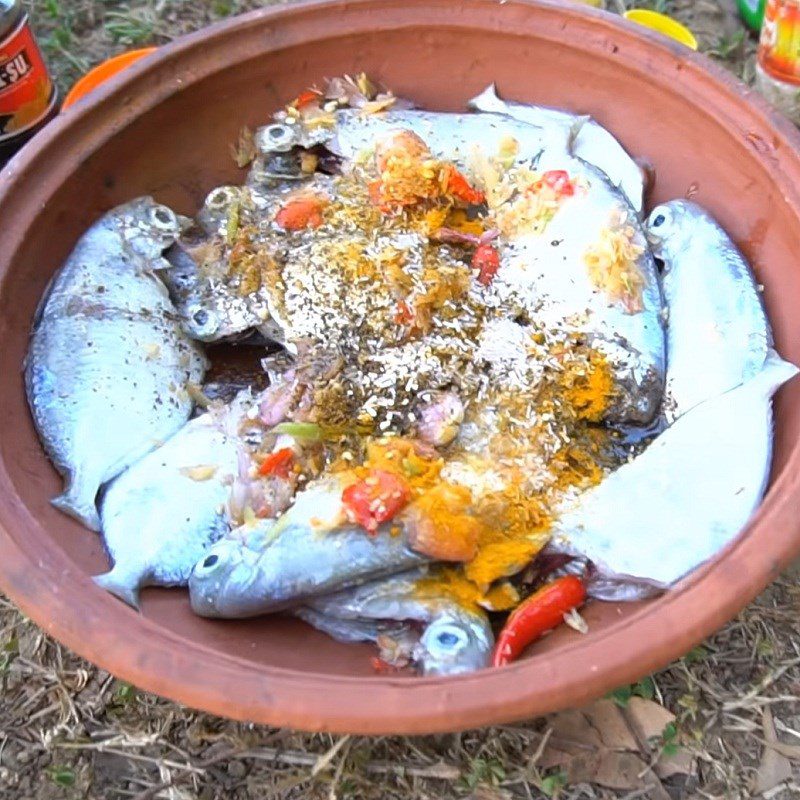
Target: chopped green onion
[(300, 430)]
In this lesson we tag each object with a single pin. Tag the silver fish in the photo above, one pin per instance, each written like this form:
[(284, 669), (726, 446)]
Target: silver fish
[(547, 274), (352, 631), (454, 136), (162, 514), (108, 365), (687, 495), (591, 143), (206, 293), (455, 640), (718, 334), (308, 552)]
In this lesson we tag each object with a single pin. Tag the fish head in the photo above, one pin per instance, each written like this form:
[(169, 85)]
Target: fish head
[(670, 227), (222, 583), (202, 322), (454, 644), (149, 228), (217, 207)]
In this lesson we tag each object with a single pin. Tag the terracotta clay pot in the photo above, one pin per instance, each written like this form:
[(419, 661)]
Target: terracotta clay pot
[(165, 126)]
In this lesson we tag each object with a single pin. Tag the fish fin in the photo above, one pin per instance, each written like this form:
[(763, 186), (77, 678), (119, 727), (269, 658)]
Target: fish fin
[(488, 100), (112, 582), (775, 372), (79, 502), (574, 131)]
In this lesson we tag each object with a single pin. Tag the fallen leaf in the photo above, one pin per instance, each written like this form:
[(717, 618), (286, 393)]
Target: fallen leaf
[(571, 727), (774, 767), (648, 721), (614, 747), (608, 720)]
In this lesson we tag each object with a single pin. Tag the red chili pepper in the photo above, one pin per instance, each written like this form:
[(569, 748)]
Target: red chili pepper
[(559, 181), (302, 212), (539, 613), (375, 499), (458, 186), (277, 463), (487, 261), (306, 98)]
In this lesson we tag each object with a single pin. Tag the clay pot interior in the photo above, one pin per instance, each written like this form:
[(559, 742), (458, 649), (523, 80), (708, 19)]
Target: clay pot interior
[(165, 128)]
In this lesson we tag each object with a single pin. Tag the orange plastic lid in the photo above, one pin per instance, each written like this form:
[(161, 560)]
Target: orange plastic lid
[(102, 72)]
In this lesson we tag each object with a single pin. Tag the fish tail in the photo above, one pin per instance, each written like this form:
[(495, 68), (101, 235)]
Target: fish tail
[(78, 500), (116, 583)]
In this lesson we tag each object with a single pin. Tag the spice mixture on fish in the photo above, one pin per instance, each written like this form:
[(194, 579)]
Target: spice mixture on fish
[(467, 342)]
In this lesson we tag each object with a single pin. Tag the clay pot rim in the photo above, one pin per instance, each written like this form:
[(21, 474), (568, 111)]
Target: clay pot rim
[(39, 594)]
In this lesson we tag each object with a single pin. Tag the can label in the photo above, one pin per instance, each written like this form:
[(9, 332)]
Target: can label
[(25, 86), (779, 43)]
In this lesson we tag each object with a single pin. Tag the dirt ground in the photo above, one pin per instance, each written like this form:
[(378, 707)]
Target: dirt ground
[(69, 730)]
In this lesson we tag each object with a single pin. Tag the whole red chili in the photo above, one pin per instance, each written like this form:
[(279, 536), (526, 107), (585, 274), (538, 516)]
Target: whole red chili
[(539, 613), (486, 260)]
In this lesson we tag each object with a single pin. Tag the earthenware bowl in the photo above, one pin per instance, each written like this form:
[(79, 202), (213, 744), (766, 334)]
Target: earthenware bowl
[(165, 127)]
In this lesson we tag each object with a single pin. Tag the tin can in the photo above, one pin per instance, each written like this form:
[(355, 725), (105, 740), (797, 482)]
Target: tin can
[(779, 44), (27, 95)]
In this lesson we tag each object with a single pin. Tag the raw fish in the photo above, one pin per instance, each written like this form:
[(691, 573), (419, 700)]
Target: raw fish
[(687, 495), (108, 364), (718, 334), (162, 514)]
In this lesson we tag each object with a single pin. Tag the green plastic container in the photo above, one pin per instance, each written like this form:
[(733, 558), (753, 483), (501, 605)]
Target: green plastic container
[(752, 12)]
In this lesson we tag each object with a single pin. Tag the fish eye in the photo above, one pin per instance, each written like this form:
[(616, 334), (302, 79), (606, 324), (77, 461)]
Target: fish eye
[(220, 198), (447, 639), (275, 137), (209, 561), (163, 218), (659, 220), (200, 317)]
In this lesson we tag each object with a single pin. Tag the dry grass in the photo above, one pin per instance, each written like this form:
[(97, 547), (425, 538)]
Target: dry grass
[(69, 730)]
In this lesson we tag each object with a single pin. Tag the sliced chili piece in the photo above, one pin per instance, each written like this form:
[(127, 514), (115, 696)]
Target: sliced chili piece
[(559, 181), (375, 499), (539, 613), (306, 98), (278, 463), (300, 213), (486, 260), (459, 187)]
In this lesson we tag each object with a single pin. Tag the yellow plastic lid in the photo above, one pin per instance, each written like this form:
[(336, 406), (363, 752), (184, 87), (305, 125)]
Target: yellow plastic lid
[(102, 72), (662, 24)]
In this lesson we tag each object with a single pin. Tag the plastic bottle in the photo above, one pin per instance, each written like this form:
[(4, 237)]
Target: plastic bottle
[(752, 12), (778, 67), (27, 95)]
